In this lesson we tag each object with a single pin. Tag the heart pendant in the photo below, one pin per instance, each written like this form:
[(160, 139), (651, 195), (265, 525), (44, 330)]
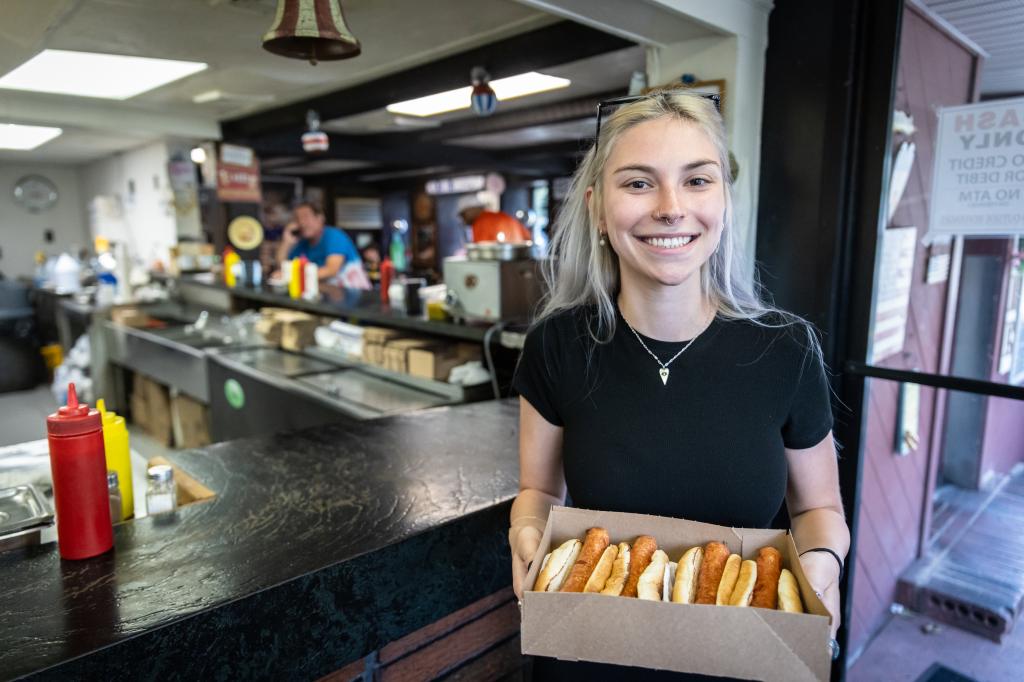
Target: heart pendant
[(664, 375)]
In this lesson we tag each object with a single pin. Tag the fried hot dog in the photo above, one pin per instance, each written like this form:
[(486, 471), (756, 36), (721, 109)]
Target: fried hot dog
[(556, 566), (744, 584), (640, 556), (716, 555), (620, 571), (594, 545), (651, 580), (766, 589)]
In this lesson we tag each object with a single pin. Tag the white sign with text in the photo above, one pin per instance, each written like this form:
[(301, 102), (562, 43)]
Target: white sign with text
[(978, 176)]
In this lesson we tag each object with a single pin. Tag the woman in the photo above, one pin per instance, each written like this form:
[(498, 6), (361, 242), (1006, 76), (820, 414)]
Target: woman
[(656, 380)]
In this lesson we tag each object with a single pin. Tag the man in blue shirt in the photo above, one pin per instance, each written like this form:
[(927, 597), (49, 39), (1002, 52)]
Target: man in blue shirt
[(328, 247)]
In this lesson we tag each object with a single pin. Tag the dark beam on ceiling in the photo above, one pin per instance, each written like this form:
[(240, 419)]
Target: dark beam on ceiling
[(552, 45)]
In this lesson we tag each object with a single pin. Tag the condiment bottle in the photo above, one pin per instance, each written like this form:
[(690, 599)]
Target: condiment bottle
[(119, 459), (295, 278), (79, 469), (114, 494), (311, 281)]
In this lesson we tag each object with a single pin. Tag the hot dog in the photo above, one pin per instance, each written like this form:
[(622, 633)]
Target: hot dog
[(620, 571), (640, 556), (715, 556), (744, 584), (766, 589), (594, 545), (597, 579), (650, 583), (557, 566), (684, 591)]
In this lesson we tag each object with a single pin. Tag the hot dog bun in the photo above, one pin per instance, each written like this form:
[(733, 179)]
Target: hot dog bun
[(766, 589), (640, 556), (684, 591), (715, 556), (603, 569), (594, 544), (729, 577), (620, 571), (744, 584), (789, 593), (650, 583), (555, 569)]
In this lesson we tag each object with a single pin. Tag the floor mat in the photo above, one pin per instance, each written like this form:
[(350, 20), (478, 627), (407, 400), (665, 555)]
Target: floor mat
[(940, 673)]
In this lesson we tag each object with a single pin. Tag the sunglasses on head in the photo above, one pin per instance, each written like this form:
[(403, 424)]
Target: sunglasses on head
[(609, 105)]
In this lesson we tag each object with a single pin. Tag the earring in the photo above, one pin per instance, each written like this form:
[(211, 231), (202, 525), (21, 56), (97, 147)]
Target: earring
[(602, 241)]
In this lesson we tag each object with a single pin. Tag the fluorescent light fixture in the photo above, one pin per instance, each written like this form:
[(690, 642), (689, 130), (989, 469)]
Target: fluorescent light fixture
[(88, 74), (524, 84), (14, 136), (208, 96)]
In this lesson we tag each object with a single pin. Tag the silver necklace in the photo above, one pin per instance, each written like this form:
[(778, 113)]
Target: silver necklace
[(663, 371)]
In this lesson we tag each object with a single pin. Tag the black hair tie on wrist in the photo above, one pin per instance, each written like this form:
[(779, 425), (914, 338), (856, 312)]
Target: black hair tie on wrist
[(834, 555)]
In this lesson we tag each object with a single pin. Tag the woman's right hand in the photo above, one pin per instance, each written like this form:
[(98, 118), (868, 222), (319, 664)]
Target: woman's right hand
[(524, 541)]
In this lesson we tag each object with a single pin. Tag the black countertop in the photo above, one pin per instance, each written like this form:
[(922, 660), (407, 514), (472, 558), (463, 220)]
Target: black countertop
[(320, 546), (364, 306)]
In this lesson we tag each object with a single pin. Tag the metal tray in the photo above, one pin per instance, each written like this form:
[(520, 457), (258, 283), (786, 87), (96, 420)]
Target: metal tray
[(22, 507)]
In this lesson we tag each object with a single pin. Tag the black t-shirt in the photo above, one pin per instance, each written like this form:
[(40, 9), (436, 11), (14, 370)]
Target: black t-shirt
[(707, 446)]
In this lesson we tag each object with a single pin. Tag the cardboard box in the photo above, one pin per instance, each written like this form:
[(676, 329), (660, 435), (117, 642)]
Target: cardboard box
[(129, 316), (437, 363), (746, 643), (290, 329), (380, 335), (396, 352), (151, 408), (191, 423)]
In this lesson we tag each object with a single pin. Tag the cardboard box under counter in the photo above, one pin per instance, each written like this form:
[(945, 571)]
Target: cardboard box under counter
[(728, 641)]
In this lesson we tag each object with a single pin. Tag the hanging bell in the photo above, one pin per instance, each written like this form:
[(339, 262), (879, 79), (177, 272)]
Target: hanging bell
[(311, 29)]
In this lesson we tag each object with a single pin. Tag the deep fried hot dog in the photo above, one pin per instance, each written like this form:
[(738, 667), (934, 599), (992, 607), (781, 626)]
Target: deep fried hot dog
[(640, 556), (711, 569), (766, 589), (593, 546)]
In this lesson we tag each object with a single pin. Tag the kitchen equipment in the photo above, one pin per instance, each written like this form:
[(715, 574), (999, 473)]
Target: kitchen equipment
[(75, 435), (492, 290), (504, 251), (22, 507)]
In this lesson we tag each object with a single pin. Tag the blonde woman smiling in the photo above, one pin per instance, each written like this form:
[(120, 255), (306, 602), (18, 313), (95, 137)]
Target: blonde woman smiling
[(656, 379)]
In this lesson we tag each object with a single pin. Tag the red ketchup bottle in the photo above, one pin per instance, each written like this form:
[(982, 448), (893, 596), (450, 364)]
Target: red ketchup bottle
[(79, 471)]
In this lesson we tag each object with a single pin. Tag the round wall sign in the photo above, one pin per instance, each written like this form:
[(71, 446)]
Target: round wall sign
[(35, 193)]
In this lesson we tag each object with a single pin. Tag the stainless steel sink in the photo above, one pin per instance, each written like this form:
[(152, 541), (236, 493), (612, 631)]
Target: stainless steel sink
[(175, 355)]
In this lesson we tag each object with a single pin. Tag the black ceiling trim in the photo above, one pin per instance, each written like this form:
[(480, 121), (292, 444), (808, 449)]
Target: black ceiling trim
[(559, 43)]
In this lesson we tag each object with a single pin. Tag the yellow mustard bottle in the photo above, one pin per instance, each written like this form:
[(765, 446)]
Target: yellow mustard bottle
[(115, 443)]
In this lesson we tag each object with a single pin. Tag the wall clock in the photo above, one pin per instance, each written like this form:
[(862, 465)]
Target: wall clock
[(35, 193)]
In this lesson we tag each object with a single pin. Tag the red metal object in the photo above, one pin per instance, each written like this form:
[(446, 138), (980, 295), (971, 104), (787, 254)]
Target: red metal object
[(79, 470)]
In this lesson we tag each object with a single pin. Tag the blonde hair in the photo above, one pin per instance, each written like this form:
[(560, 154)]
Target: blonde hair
[(582, 273)]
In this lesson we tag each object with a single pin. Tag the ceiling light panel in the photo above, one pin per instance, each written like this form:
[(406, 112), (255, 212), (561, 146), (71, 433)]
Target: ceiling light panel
[(15, 136), (530, 83), (88, 74)]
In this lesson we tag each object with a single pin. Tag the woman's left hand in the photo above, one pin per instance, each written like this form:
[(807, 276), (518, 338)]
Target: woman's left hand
[(822, 572)]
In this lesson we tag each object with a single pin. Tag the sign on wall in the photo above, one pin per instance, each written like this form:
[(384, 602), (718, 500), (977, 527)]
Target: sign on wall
[(238, 175), (978, 174), (895, 276)]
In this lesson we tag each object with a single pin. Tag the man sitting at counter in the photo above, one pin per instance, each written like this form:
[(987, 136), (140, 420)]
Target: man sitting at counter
[(330, 248)]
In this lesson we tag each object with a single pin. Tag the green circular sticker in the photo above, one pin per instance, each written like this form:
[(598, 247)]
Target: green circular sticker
[(234, 393)]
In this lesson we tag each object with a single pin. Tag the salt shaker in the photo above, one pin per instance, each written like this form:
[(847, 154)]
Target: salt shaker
[(161, 493)]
